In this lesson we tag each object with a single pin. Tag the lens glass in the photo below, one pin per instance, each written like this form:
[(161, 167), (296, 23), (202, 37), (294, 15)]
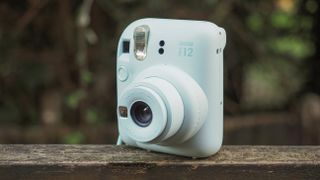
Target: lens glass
[(141, 114)]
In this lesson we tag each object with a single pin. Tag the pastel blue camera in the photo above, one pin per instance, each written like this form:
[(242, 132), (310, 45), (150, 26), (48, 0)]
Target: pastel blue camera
[(170, 86)]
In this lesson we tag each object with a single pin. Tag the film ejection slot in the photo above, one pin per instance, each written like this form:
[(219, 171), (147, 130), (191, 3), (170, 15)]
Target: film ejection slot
[(140, 37)]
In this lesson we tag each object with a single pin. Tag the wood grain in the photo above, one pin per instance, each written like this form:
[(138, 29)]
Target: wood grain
[(122, 162)]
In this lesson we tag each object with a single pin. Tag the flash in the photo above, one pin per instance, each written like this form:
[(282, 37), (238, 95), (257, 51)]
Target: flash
[(140, 37)]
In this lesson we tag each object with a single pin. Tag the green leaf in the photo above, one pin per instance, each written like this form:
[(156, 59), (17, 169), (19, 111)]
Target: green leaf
[(74, 99), (74, 138), (282, 20), (92, 116), (255, 22), (312, 6), (86, 77), (294, 46)]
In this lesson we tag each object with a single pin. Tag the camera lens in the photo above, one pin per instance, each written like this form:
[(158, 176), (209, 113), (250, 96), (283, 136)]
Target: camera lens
[(141, 114)]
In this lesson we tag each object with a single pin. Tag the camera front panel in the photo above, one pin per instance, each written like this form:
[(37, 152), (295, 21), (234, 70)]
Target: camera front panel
[(169, 86)]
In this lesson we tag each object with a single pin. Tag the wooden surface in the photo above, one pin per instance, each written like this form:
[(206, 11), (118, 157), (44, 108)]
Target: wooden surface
[(122, 162)]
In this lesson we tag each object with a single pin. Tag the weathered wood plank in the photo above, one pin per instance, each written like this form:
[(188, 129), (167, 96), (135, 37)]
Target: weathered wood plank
[(122, 162)]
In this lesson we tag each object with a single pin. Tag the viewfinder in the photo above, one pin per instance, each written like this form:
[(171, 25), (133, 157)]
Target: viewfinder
[(126, 46)]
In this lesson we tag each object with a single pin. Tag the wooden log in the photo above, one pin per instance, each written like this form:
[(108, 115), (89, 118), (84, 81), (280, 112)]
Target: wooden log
[(122, 162)]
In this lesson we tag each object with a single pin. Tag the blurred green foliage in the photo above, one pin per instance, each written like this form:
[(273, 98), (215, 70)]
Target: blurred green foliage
[(73, 100), (74, 138), (48, 62)]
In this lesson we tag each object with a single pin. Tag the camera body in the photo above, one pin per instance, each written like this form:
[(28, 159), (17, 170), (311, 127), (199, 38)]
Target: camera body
[(170, 86)]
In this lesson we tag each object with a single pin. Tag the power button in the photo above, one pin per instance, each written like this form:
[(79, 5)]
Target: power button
[(123, 73)]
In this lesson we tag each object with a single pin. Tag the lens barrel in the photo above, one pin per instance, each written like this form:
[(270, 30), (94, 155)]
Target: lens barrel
[(141, 113)]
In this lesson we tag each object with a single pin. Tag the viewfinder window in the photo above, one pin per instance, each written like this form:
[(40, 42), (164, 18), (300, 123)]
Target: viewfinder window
[(125, 46)]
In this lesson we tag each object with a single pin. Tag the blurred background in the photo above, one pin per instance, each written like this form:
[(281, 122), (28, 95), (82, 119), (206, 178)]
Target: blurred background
[(57, 67)]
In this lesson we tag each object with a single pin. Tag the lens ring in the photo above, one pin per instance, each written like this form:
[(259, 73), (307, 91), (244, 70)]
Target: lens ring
[(159, 114), (141, 113)]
